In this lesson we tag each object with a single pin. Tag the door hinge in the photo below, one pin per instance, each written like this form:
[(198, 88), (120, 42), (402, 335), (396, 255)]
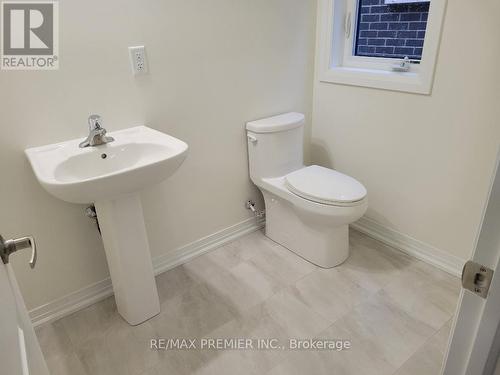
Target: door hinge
[(477, 278)]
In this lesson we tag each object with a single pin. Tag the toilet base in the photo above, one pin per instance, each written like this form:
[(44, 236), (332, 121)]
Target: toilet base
[(317, 239)]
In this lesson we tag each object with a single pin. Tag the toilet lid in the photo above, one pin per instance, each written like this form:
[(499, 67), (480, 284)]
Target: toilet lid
[(324, 185)]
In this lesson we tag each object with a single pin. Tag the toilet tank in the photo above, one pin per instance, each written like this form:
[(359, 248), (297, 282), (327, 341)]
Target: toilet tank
[(275, 145)]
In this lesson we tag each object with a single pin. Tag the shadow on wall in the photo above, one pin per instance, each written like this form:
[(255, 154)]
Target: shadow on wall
[(321, 155)]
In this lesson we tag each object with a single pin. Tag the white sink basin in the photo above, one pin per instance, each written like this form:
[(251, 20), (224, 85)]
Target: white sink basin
[(110, 176), (138, 157)]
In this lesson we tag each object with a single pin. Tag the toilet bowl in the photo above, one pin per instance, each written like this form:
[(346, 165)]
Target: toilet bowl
[(308, 208)]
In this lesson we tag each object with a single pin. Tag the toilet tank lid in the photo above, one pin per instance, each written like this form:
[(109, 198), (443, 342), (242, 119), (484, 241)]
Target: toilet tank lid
[(278, 123)]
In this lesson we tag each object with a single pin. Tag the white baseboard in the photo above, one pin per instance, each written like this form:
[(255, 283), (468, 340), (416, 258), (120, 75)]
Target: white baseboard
[(96, 292), (410, 246)]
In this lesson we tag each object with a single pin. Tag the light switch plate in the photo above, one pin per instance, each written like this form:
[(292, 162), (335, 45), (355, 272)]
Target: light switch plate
[(138, 60)]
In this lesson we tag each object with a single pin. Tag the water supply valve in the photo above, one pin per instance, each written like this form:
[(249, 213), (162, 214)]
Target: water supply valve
[(250, 205)]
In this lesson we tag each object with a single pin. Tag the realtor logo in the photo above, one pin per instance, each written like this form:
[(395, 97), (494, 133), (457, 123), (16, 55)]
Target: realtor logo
[(29, 35)]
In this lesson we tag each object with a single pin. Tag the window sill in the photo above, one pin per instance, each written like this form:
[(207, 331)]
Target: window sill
[(411, 82)]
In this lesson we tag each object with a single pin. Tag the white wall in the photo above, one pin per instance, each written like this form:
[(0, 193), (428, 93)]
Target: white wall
[(214, 65), (425, 160)]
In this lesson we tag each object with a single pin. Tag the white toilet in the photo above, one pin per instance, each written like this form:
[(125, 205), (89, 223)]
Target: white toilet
[(308, 209)]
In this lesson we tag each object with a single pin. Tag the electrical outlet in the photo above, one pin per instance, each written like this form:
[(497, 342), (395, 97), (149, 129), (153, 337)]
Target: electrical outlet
[(138, 61)]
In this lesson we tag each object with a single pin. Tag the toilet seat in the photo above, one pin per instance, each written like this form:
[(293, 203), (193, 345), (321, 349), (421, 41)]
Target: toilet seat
[(326, 186)]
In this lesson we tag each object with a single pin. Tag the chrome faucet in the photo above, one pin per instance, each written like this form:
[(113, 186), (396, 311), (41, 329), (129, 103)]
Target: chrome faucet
[(97, 134)]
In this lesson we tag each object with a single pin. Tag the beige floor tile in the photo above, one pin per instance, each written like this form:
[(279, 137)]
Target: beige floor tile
[(373, 267), (65, 365), (230, 362), (280, 317), (177, 362), (163, 369), (383, 328), (391, 307), (349, 362), (193, 313), (429, 358), (249, 285), (300, 363), (256, 324), (362, 358), (254, 279), (282, 265), (91, 322), (242, 249), (122, 349), (202, 268), (296, 319), (244, 286), (329, 293), (174, 282), (54, 340), (359, 239), (228, 256), (425, 293)]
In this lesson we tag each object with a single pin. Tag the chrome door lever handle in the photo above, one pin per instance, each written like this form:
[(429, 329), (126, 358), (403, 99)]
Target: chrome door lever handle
[(34, 254), (8, 247)]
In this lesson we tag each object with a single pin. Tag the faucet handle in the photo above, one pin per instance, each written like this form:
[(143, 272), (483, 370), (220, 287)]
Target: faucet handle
[(95, 122)]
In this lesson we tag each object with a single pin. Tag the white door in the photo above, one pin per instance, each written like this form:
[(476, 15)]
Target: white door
[(475, 341), (20, 352)]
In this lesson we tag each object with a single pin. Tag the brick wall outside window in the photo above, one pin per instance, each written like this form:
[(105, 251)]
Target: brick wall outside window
[(393, 30)]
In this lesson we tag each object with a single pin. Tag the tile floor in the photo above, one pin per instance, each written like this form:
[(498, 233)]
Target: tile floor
[(396, 312)]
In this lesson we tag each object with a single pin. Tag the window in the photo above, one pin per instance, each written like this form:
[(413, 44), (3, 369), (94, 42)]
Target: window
[(391, 30), (387, 44)]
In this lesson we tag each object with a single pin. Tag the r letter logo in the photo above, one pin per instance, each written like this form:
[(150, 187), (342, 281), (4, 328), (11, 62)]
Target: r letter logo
[(30, 35)]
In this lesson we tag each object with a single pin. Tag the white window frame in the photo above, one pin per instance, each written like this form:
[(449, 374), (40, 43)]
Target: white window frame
[(338, 64)]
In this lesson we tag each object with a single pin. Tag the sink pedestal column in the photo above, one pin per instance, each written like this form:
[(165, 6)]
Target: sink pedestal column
[(129, 259)]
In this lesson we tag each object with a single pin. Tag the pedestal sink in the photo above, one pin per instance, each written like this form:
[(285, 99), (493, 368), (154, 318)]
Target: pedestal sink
[(111, 176)]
